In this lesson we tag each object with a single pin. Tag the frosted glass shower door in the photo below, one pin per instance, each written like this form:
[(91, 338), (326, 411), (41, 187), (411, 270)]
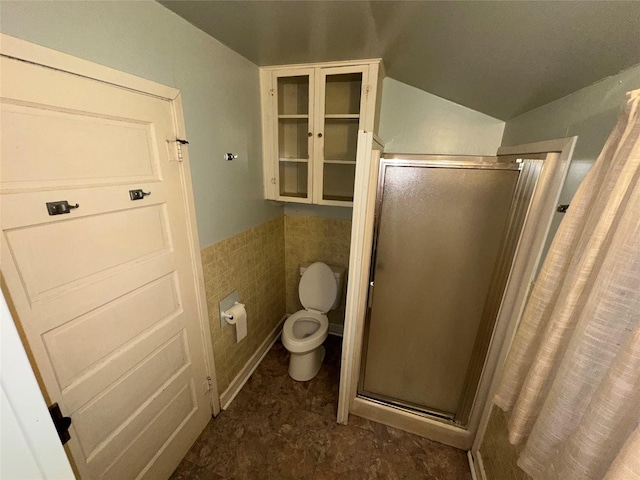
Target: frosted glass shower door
[(440, 234)]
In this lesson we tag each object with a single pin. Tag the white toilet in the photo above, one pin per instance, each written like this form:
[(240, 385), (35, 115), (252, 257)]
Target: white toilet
[(305, 331)]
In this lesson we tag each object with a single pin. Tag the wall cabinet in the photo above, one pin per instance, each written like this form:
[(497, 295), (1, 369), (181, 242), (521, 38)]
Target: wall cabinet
[(311, 115)]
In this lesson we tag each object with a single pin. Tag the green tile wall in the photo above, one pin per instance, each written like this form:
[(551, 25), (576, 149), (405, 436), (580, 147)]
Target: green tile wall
[(253, 263), (311, 239)]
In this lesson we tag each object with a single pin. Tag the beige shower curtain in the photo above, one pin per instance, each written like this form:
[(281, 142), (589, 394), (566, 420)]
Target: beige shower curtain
[(572, 377)]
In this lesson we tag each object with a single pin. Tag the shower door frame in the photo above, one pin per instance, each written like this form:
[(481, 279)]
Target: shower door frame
[(528, 173), (531, 246)]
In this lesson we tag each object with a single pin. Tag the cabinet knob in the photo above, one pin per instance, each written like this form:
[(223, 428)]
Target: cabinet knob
[(319, 135), (310, 134)]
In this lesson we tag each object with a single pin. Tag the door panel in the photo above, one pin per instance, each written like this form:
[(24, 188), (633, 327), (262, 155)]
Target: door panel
[(122, 398), (56, 104), (72, 356), (56, 310), (43, 251), (439, 238), (176, 412), (98, 158), (105, 294), (112, 367)]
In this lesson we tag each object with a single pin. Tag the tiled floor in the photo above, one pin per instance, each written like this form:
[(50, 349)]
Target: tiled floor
[(277, 428)]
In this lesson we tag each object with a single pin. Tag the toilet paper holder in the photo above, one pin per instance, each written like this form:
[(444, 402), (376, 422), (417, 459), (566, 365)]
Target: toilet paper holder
[(227, 316), (225, 304)]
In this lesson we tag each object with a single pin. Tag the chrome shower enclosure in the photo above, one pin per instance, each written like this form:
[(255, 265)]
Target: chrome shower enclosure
[(445, 234)]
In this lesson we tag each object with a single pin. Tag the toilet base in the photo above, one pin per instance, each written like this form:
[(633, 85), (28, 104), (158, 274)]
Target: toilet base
[(304, 366)]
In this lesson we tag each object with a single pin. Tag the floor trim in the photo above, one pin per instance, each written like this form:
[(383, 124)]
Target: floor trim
[(239, 381), (421, 425), (477, 465), (472, 466), (336, 329)]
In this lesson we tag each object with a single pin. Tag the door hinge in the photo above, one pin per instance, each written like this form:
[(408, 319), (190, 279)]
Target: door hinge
[(272, 92), (179, 143), (207, 385), (367, 89)]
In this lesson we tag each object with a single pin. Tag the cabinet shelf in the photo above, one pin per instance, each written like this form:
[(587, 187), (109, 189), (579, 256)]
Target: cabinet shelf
[(348, 116), (294, 115), (294, 194), (298, 160), (340, 162), (339, 198)]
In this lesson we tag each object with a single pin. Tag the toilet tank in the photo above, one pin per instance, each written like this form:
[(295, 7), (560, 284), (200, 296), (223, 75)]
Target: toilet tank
[(339, 273)]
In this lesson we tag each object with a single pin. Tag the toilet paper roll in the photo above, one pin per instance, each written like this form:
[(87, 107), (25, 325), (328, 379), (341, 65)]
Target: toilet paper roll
[(239, 319)]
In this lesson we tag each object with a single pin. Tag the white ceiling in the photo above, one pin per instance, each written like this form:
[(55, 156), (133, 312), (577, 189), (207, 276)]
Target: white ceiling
[(501, 58)]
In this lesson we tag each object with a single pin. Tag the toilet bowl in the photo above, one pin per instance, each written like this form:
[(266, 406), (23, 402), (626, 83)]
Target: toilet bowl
[(305, 331)]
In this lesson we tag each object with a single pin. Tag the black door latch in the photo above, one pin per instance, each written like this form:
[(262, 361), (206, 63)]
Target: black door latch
[(61, 423)]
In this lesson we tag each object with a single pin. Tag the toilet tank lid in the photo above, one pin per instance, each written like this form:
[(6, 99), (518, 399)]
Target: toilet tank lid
[(318, 288), (337, 270)]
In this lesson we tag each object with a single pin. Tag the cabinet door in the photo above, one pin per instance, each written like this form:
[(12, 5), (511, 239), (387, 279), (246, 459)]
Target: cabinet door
[(340, 104), (293, 93)]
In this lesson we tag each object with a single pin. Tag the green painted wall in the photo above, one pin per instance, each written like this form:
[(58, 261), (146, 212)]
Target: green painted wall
[(219, 88), (415, 121), (589, 113)]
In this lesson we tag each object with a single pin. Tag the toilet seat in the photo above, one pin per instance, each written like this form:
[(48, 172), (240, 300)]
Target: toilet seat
[(318, 288), (302, 345)]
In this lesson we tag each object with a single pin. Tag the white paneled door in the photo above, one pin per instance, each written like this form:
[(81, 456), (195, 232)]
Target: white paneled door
[(106, 294)]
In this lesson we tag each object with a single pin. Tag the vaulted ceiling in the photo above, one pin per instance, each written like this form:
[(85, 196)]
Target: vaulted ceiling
[(501, 58)]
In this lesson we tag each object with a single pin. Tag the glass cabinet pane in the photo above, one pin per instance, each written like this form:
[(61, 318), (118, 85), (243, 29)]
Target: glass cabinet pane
[(343, 92), (340, 139), (338, 181), (293, 95), (293, 179), (294, 140)]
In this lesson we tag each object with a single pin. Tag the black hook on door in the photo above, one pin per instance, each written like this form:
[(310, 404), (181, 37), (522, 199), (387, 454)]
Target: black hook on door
[(138, 194), (58, 208)]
